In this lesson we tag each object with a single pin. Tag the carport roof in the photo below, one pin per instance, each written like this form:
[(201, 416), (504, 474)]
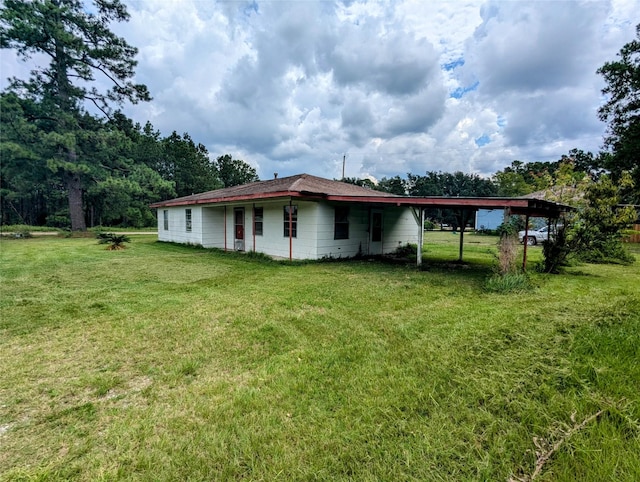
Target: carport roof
[(308, 187)]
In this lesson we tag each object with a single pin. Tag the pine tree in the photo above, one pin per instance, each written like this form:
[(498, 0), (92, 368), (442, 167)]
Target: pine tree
[(79, 46)]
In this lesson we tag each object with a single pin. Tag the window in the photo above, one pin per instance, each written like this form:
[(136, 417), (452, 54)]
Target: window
[(293, 210), (165, 219), (341, 226), (258, 216), (187, 218)]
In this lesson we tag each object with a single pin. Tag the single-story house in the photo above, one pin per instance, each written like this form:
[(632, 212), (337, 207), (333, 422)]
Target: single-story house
[(309, 217), (297, 217)]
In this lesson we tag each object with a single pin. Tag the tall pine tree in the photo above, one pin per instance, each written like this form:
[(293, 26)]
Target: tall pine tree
[(79, 47)]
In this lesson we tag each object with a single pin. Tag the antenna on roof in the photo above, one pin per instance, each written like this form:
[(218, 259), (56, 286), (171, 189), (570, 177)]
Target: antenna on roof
[(344, 158)]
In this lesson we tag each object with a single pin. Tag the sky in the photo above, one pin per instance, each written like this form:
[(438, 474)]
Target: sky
[(383, 88)]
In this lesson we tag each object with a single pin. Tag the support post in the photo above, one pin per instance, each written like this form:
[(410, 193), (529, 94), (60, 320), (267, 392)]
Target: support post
[(463, 223), (225, 228), (420, 238), (526, 243), (290, 231)]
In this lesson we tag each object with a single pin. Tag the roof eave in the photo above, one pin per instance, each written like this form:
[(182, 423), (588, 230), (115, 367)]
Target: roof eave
[(532, 207)]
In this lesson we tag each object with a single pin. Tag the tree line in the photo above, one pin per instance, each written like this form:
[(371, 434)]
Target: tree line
[(119, 167), (70, 158)]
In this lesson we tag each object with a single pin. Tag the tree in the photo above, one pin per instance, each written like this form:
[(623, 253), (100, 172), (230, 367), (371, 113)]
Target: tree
[(23, 176), (393, 185), (598, 228), (622, 113), (79, 46), (187, 164), (364, 182), (234, 172), (525, 177), (446, 184), (593, 231)]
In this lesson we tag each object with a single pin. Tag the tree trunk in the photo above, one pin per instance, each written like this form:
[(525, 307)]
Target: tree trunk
[(76, 211)]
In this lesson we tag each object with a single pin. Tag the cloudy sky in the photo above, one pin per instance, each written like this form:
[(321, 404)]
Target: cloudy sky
[(396, 87)]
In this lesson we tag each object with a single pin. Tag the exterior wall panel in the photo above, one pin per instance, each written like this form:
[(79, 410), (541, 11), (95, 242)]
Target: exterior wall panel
[(177, 232), (358, 240), (315, 229), (213, 227), (400, 228)]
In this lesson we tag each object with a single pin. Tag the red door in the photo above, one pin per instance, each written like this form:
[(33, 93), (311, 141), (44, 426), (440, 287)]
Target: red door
[(239, 228)]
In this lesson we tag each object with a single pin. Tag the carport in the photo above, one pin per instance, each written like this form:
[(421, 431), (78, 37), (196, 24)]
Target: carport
[(465, 207)]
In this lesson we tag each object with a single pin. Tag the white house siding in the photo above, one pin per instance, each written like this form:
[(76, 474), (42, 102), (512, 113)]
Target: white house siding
[(177, 232), (358, 242), (399, 228), (273, 241), (213, 226), (315, 229)]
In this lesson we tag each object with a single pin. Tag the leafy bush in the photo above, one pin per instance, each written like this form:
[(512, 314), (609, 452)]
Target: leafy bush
[(556, 250), (23, 233), (406, 251), (607, 251), (115, 241), (429, 225), (510, 227), (598, 236)]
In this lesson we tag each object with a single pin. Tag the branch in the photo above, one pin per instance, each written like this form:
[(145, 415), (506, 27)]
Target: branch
[(544, 457), (100, 108), (103, 70)]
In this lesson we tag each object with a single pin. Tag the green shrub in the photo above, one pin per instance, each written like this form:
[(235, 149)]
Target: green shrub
[(115, 241), (610, 250), (406, 251), (508, 283), (556, 250)]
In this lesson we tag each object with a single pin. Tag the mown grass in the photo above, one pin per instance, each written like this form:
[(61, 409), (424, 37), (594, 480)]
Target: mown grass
[(166, 362)]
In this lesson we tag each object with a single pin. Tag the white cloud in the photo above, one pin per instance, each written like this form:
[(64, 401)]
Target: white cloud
[(398, 87)]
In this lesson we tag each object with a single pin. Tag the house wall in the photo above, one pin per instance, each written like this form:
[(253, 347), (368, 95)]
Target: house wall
[(273, 241), (315, 229), (213, 226), (358, 242), (177, 232), (400, 228)]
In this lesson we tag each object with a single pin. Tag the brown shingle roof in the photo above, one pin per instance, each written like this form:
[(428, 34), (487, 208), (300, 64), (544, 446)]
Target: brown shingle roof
[(305, 186), (301, 184)]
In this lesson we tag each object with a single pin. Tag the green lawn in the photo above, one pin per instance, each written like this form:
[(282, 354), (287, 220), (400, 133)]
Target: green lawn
[(165, 362)]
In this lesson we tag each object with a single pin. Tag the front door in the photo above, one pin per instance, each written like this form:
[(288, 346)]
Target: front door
[(238, 216), (375, 232)]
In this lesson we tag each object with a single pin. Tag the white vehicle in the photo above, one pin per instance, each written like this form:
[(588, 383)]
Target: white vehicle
[(535, 236)]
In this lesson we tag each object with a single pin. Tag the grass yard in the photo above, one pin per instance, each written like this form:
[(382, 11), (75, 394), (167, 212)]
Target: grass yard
[(164, 363)]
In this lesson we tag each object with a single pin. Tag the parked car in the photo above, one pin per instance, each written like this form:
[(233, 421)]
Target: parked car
[(535, 236)]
